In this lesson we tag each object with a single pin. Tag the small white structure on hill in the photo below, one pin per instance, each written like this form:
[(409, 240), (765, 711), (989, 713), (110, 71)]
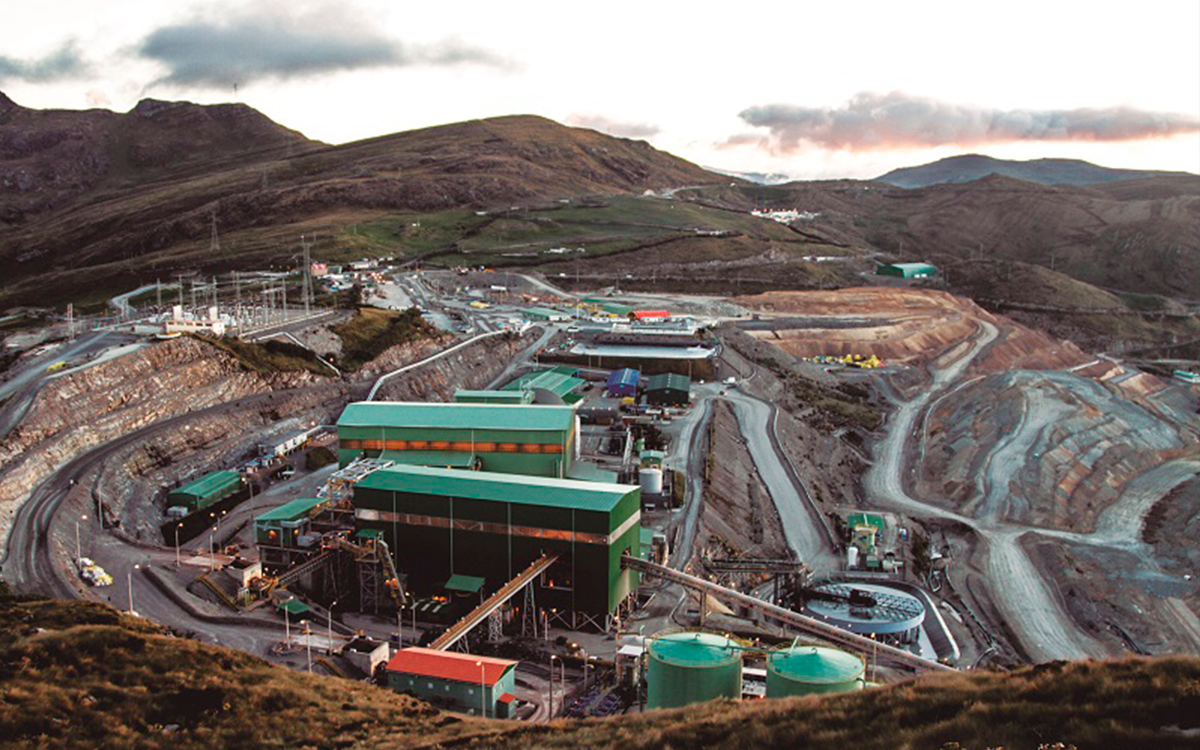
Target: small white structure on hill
[(181, 322)]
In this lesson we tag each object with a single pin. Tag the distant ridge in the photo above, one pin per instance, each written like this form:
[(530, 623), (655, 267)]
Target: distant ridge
[(970, 167)]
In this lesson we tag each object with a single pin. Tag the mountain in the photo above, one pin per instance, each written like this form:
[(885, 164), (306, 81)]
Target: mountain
[(1136, 236), (132, 196), (52, 159), (1042, 171), (77, 674), (762, 178)]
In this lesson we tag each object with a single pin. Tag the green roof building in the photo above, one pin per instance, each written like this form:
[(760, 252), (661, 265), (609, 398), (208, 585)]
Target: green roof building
[(906, 270), (544, 314), (462, 396), (561, 381), (206, 490), (668, 389), (519, 439), (446, 522)]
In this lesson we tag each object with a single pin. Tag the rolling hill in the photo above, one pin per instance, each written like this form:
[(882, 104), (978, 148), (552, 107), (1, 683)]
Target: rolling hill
[(75, 674), (128, 197), (1135, 236), (969, 167)]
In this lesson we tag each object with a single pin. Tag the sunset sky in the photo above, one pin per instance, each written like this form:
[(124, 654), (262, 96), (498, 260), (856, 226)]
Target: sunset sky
[(810, 90)]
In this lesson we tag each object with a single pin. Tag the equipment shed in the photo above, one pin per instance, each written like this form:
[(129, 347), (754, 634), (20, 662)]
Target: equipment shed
[(907, 270), (623, 382), (668, 389), (205, 491)]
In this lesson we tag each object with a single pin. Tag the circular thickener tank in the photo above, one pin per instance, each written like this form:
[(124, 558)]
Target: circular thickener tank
[(808, 670), (685, 668), (651, 481)]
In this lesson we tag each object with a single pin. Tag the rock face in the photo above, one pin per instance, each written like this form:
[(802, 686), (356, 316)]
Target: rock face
[(909, 326), (738, 518), (85, 409)]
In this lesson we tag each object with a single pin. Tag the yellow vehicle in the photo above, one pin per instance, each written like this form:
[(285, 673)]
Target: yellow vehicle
[(56, 366), (479, 305)]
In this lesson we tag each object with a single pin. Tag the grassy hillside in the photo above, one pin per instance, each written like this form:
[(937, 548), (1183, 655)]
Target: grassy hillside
[(113, 232), (82, 675), (1068, 308)]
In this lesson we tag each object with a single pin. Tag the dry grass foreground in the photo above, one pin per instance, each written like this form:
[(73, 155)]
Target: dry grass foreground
[(76, 675)]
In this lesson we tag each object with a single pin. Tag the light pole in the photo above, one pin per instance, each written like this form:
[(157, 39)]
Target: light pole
[(308, 643), (78, 552), (178, 526), (329, 624), (129, 585), (482, 687), (212, 550), (553, 658), (287, 626)]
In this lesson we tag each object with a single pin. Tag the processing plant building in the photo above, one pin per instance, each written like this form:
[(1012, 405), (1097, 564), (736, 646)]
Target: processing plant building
[(528, 439), (445, 522)]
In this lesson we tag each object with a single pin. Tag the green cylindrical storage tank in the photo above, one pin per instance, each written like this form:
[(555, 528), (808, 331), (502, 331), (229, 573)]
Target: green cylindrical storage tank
[(685, 668), (809, 670)]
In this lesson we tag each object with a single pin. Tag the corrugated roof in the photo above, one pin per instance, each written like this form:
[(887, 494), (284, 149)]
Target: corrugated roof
[(624, 376), (644, 314), (294, 509), (295, 607), (468, 584), (669, 380), (450, 665), (554, 380), (457, 416), (544, 311), (208, 483), (463, 396), (510, 488)]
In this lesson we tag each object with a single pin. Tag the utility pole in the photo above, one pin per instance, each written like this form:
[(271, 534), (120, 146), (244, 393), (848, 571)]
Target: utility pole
[(158, 292), (237, 309), (70, 321), (308, 291), (214, 243)]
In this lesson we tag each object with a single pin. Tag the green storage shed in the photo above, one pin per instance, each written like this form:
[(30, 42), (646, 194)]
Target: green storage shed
[(205, 491), (906, 270), (668, 389)]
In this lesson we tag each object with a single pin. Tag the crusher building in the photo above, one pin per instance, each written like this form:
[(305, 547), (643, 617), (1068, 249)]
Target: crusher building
[(445, 522), (519, 439)]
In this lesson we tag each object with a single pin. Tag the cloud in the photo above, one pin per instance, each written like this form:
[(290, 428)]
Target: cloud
[(65, 62), (614, 127), (896, 120), (273, 42)]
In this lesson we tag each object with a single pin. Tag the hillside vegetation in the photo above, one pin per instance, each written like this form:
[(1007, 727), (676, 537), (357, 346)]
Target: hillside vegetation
[(76, 674), (265, 186)]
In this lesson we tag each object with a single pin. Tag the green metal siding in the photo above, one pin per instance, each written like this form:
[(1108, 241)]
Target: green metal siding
[(206, 490), (525, 490), (430, 553), (461, 696), (457, 416)]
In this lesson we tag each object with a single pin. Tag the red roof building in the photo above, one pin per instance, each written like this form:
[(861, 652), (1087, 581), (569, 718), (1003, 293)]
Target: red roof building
[(651, 314), (449, 665), (460, 682)]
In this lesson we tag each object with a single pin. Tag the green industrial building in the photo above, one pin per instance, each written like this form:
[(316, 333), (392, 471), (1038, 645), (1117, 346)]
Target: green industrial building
[(544, 314), (561, 381), (906, 270), (285, 533), (205, 491), (668, 389), (445, 522), (519, 439), (462, 396)]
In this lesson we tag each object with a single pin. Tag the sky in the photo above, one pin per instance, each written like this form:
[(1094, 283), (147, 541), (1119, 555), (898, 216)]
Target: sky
[(810, 90)]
